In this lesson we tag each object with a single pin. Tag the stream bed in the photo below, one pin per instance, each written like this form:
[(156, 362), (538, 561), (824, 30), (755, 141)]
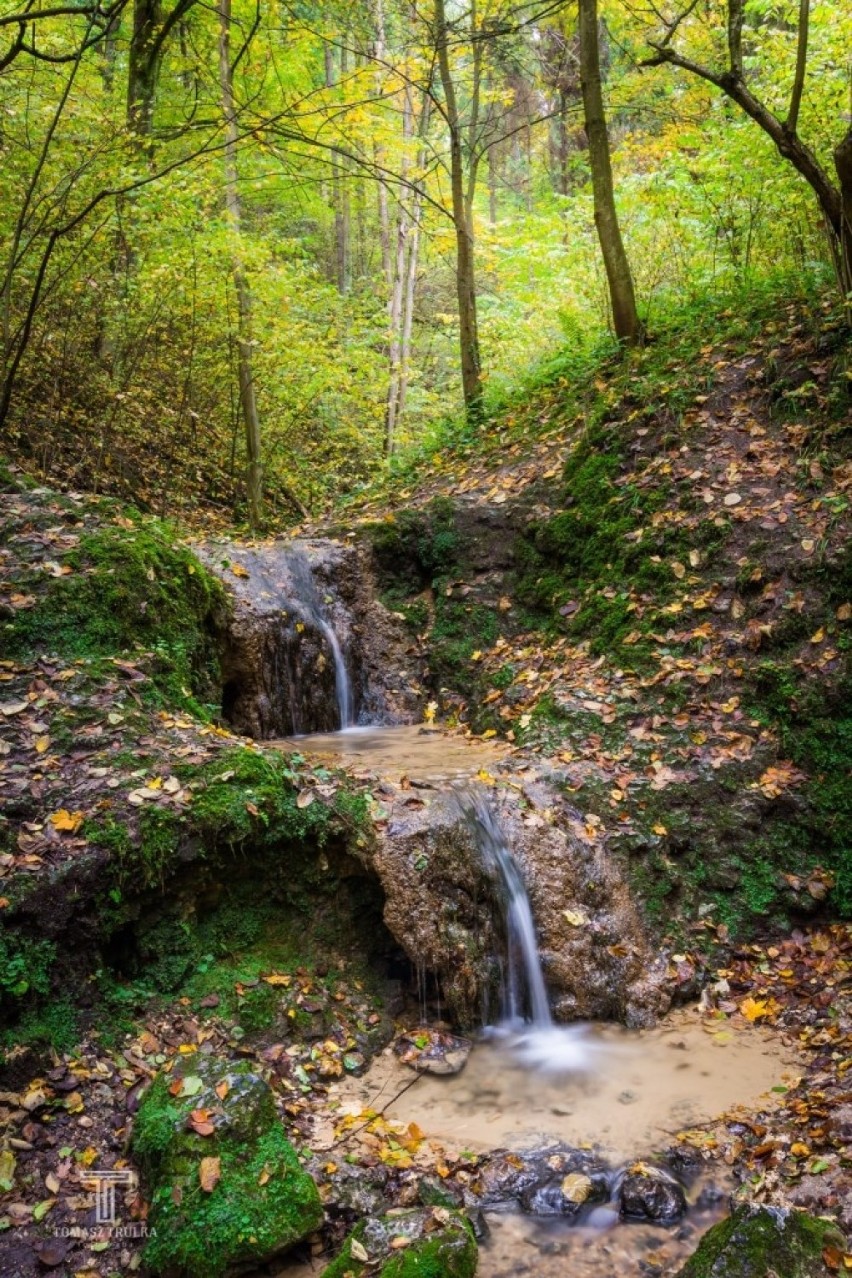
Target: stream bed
[(625, 1094)]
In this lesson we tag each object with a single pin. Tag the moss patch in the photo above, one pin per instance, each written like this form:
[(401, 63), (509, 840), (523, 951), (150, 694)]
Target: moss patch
[(123, 588), (756, 1242), (262, 1202), (440, 1244)]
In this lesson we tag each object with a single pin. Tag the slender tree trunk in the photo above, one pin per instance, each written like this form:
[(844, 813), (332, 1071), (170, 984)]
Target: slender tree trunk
[(622, 297), (396, 271), (143, 65), (248, 402), (843, 165), (471, 367)]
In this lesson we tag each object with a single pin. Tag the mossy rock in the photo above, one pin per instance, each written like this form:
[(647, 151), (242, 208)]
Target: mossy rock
[(439, 1243), (263, 1202), (762, 1242)]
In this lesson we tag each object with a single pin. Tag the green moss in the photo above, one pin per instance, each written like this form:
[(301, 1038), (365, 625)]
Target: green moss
[(414, 546), (129, 588), (263, 1202), (25, 965), (445, 1248), (757, 1242), (54, 1025)]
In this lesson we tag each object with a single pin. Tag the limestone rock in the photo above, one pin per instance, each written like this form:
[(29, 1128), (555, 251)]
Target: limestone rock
[(225, 1186), (409, 1244), (764, 1242)]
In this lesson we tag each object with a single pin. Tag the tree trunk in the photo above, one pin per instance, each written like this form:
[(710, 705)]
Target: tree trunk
[(619, 278), (471, 368), (143, 65), (248, 402), (843, 165)]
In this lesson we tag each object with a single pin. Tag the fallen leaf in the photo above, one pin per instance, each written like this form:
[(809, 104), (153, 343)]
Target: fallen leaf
[(209, 1173), (67, 821), (576, 1187)]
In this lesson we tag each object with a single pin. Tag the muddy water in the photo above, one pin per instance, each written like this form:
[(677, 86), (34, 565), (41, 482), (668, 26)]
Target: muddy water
[(627, 1091), (415, 751)]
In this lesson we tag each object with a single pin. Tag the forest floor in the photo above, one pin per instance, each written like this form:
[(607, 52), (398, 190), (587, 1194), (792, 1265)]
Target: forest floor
[(673, 694)]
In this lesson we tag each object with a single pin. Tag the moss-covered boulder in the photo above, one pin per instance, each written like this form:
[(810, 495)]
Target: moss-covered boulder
[(762, 1242), (225, 1185), (434, 1242)]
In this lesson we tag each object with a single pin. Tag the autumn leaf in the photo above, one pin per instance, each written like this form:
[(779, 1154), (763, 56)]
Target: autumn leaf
[(209, 1173), (66, 821), (239, 571)]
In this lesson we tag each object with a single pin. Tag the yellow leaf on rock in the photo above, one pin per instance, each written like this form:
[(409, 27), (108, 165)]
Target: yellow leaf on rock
[(576, 1187), (65, 820), (239, 571)]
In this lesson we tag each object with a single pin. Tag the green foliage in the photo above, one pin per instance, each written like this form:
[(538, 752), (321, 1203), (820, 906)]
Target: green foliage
[(129, 588), (414, 546), (25, 965), (55, 1025), (814, 723)]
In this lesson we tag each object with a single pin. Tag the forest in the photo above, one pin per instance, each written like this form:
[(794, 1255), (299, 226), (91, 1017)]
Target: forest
[(425, 638)]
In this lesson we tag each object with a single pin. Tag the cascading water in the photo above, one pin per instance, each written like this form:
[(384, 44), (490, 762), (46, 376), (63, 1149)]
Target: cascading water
[(305, 602), (524, 986), (526, 1024)]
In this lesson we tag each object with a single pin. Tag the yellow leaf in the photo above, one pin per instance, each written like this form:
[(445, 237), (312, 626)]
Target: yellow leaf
[(678, 569), (41, 744), (277, 978), (818, 636), (576, 1187), (239, 571), (659, 829), (799, 1150), (844, 612), (209, 1173), (65, 820)]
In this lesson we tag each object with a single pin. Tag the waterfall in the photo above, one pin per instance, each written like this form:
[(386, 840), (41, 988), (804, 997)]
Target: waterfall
[(306, 604), (342, 684), (525, 993)]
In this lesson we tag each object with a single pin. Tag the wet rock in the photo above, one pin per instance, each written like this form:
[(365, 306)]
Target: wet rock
[(445, 906), (649, 1193), (557, 1181), (840, 1124), (225, 1186), (764, 1242), (278, 663), (407, 1244), (358, 1191), (433, 1052)]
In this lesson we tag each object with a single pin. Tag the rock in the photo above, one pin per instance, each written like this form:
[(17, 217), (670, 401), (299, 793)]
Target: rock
[(409, 1244), (649, 1193), (764, 1242), (556, 1181), (358, 1191), (261, 1202), (278, 666), (440, 1053), (840, 1124), (443, 904)]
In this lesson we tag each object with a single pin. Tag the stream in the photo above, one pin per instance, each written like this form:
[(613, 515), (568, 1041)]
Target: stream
[(529, 1082)]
